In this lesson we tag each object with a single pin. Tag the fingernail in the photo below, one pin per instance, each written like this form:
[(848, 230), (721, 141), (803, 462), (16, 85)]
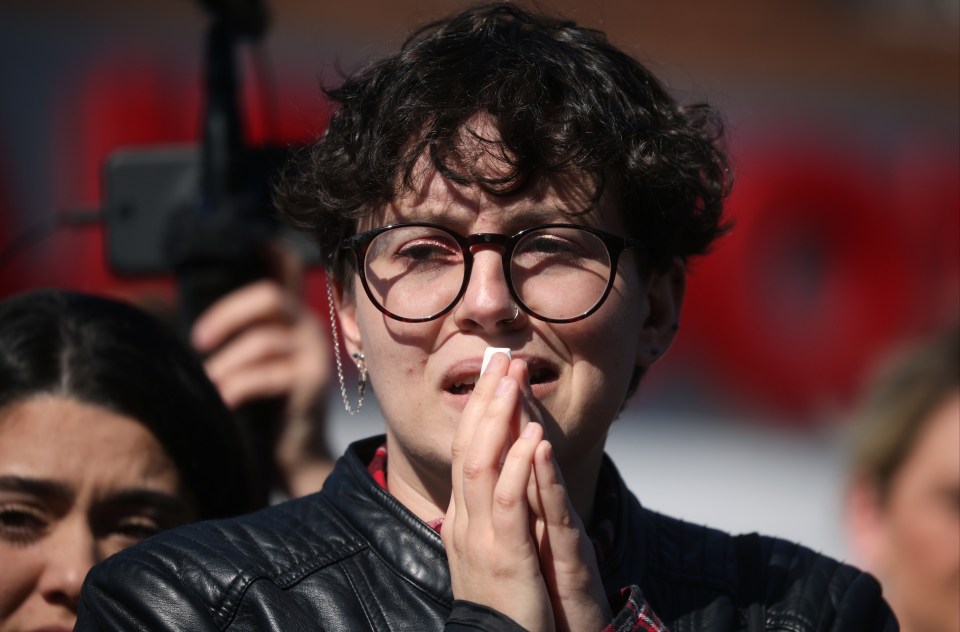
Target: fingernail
[(528, 431), (503, 386)]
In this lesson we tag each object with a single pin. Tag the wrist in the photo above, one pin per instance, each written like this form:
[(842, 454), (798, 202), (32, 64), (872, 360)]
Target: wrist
[(302, 455)]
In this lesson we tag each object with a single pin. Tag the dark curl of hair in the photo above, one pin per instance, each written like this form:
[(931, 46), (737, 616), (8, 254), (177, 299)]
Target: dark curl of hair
[(564, 101)]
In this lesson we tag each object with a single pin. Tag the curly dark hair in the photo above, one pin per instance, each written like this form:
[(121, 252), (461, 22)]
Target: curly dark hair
[(564, 101)]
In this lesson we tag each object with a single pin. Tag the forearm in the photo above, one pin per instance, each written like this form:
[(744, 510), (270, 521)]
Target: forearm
[(302, 454)]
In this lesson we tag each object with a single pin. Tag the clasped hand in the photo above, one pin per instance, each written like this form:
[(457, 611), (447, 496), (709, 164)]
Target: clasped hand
[(513, 539)]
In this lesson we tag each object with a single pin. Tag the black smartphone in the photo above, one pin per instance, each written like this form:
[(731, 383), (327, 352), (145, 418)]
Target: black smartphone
[(145, 188)]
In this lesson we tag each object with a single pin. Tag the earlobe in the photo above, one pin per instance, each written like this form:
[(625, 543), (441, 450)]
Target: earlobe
[(664, 293), (343, 304)]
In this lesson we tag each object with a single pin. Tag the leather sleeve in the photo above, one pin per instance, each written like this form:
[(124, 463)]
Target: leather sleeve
[(632, 614), (129, 595), (467, 616)]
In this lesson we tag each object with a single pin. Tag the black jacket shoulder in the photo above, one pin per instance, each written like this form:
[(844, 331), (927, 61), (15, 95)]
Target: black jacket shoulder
[(700, 578)]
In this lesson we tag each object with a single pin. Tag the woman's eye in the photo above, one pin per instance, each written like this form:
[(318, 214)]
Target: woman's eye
[(136, 529), (21, 524)]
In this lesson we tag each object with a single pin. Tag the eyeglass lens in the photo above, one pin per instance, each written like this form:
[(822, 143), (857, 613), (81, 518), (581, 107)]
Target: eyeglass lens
[(415, 272)]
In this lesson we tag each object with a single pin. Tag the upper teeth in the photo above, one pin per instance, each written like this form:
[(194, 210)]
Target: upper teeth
[(467, 380)]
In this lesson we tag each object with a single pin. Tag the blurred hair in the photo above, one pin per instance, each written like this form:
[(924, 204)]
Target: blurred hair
[(110, 354), (900, 401), (564, 101)]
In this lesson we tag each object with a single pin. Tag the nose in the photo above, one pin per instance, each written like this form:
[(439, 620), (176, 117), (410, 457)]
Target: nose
[(487, 303), (73, 550)]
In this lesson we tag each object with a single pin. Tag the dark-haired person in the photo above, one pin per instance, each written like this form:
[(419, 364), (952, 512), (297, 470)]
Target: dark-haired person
[(512, 181), (109, 433), (903, 503)]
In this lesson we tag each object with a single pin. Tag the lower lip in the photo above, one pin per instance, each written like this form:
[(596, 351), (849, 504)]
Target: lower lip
[(542, 389)]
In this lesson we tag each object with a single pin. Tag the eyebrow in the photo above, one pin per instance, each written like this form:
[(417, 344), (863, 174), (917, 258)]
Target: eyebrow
[(132, 497), (43, 488)]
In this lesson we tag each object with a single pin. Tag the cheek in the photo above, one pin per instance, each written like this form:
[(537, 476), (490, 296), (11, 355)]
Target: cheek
[(396, 353), (601, 350), (609, 338), (21, 566), (923, 538), (395, 371)]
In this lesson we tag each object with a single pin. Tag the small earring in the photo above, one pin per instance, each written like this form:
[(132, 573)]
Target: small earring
[(361, 362), (359, 358), (512, 319)]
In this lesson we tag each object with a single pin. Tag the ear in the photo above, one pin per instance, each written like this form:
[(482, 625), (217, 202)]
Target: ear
[(664, 291), (345, 303), (864, 522)]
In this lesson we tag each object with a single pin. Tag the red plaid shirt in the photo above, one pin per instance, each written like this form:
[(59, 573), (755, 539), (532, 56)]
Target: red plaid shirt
[(633, 613)]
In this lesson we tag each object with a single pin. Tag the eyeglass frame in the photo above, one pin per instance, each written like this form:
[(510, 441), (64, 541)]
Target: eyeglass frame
[(359, 244)]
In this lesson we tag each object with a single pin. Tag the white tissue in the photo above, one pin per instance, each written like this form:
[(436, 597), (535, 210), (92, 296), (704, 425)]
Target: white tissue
[(489, 354)]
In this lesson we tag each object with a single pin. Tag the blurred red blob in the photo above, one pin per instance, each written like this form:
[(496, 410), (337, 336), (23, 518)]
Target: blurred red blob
[(830, 262)]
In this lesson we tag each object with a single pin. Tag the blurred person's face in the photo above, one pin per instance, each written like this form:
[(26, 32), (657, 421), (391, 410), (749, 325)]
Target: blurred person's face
[(915, 539), (77, 483)]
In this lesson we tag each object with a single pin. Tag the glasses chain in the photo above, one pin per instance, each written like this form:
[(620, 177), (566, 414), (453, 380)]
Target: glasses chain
[(358, 357)]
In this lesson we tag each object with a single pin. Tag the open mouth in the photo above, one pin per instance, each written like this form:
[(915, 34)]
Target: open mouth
[(465, 385)]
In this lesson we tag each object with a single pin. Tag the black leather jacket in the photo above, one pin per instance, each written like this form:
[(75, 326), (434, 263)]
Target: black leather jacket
[(353, 558)]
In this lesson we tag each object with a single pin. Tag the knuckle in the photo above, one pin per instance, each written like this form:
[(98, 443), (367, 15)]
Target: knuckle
[(473, 470), (505, 501)]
